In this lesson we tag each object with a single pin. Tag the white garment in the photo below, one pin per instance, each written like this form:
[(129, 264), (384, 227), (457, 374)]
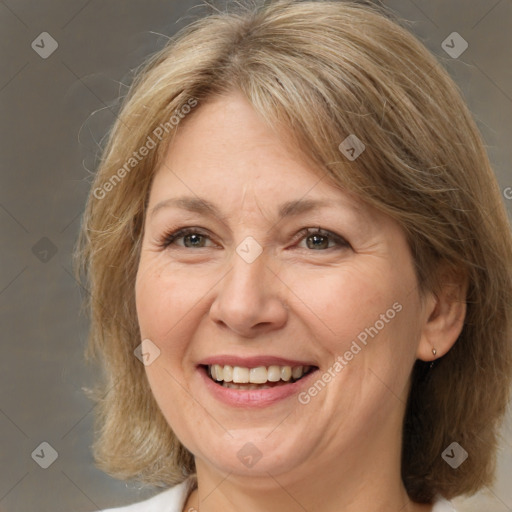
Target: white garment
[(173, 500)]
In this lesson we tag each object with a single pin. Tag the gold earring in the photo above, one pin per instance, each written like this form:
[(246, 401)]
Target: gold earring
[(434, 351)]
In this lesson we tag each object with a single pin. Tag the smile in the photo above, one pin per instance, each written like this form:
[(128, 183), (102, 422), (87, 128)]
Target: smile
[(261, 377)]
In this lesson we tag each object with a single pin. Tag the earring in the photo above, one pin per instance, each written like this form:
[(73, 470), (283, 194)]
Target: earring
[(434, 351)]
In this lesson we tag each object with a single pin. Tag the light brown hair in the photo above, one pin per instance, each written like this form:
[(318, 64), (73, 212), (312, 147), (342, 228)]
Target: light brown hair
[(318, 71)]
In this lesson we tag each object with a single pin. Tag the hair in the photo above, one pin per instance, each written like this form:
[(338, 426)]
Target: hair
[(318, 72)]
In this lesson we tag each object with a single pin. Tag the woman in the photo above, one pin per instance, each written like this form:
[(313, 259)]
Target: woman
[(300, 272)]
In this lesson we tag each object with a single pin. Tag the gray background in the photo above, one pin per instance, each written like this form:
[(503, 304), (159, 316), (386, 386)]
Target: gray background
[(54, 113)]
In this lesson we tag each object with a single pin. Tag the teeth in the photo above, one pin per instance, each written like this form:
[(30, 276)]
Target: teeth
[(297, 372), (258, 375), (217, 372), (274, 373), (233, 375), (247, 387), (228, 373), (286, 373), (240, 375)]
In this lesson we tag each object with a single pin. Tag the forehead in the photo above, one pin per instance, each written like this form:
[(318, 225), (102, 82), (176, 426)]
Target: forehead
[(225, 153), (225, 139)]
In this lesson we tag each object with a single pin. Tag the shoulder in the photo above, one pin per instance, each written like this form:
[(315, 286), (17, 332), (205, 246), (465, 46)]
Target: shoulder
[(172, 499), (442, 505)]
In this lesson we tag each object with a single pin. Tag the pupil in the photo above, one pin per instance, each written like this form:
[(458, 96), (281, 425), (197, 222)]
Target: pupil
[(319, 241), (194, 239)]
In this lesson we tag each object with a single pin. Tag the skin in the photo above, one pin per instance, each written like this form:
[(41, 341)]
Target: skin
[(341, 451)]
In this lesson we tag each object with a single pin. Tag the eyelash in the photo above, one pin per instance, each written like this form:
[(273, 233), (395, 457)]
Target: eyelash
[(169, 238)]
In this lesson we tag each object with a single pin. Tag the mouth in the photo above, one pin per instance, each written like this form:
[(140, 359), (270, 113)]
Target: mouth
[(255, 378)]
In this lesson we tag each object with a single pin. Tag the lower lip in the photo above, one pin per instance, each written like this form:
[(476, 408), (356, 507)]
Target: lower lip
[(253, 397)]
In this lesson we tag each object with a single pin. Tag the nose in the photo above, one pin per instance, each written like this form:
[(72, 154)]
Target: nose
[(249, 301)]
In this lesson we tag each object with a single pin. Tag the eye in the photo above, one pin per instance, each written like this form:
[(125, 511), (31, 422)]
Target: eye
[(192, 238), (321, 239), (315, 238)]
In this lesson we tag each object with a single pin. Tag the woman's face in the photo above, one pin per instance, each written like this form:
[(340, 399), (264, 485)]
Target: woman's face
[(252, 285)]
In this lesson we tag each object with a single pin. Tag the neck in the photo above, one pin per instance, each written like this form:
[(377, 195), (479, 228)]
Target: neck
[(365, 477)]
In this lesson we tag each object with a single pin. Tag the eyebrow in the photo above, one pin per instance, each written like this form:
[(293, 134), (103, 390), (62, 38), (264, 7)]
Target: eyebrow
[(204, 207)]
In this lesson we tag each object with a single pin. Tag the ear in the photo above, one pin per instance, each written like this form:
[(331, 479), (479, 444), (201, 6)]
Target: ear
[(443, 315)]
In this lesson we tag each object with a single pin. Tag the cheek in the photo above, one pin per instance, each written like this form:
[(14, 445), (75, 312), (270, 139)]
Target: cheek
[(162, 298), (170, 307), (366, 314), (341, 303), (148, 300)]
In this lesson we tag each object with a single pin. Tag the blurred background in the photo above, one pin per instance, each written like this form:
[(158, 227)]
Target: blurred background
[(64, 66)]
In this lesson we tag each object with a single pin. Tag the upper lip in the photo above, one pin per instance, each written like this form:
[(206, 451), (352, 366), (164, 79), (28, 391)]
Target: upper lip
[(252, 362)]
